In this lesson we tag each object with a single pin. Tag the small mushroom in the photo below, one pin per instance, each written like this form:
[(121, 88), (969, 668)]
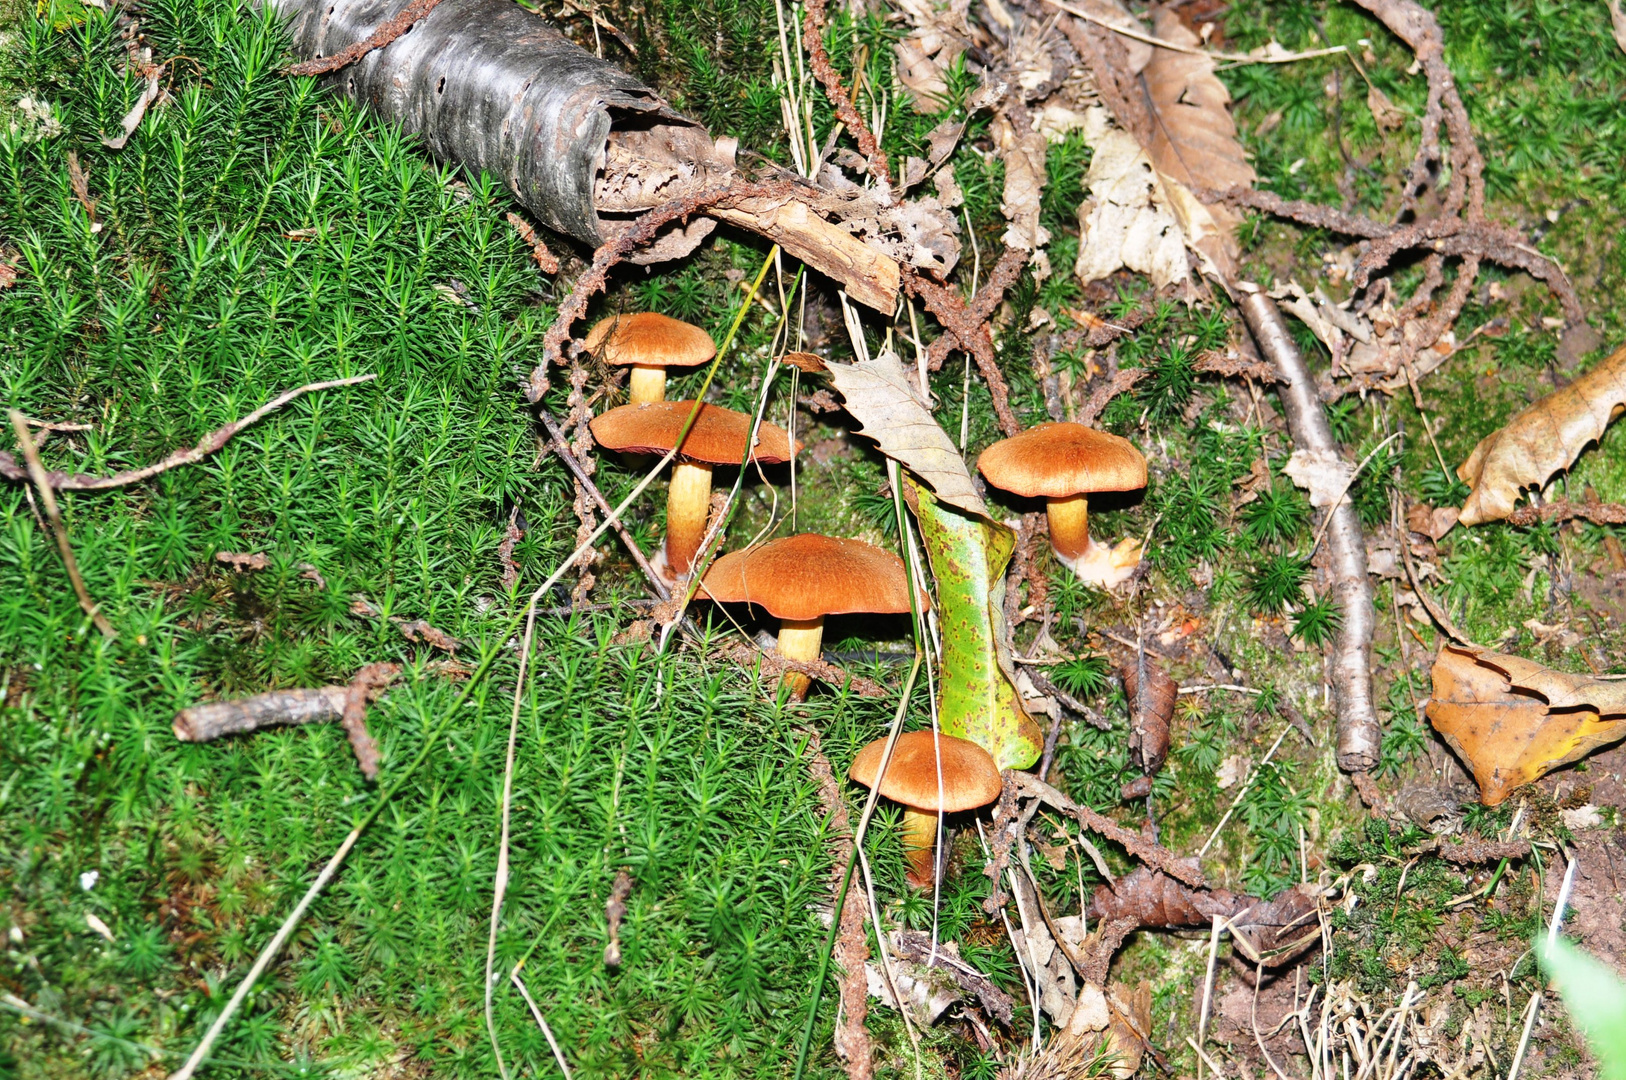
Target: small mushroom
[(718, 437), (801, 579), (649, 343), (1066, 463), (969, 779)]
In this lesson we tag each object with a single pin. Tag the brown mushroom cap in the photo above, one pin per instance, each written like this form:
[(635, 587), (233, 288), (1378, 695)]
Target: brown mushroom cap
[(809, 576), (970, 777), (719, 435), (1058, 460), (651, 340)]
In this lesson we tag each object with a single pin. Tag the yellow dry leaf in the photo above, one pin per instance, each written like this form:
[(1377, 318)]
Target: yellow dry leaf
[(1512, 720), (1194, 141), (1541, 440)]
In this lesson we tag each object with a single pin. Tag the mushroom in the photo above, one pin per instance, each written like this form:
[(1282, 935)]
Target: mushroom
[(718, 437), (801, 579), (649, 343), (969, 779), (1066, 463)]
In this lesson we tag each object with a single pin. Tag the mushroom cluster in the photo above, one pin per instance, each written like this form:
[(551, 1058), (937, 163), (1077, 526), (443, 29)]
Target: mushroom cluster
[(800, 580)]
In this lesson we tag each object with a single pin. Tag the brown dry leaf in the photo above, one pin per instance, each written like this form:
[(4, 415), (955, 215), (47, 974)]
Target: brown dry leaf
[(1385, 113), (1541, 440), (1617, 23), (1127, 221), (1024, 183), (1194, 141), (881, 398), (1512, 720), (1431, 521), (1150, 713)]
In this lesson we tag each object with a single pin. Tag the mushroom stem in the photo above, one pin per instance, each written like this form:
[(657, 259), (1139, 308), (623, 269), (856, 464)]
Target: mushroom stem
[(800, 639), (1069, 525), (688, 506), (920, 846), (647, 383)]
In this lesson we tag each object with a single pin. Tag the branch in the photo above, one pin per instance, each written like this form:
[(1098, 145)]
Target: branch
[(42, 480), (211, 442), (1359, 734)]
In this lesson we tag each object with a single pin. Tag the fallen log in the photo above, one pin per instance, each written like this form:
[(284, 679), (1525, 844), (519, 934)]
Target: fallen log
[(581, 144)]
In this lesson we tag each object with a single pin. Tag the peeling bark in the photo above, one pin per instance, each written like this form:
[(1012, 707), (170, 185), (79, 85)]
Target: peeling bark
[(580, 143)]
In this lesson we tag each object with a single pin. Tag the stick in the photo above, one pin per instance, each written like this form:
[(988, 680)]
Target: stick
[(207, 445), (274, 946), (1359, 734), (217, 719), (36, 472)]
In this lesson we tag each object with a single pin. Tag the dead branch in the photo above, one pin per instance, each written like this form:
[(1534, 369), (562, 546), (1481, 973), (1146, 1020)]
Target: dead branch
[(556, 442), (414, 630), (274, 708), (615, 909), (1350, 662), (1153, 855), (42, 481), (773, 666), (210, 443), (840, 100), (539, 249), (367, 684), (1565, 510), (216, 719)]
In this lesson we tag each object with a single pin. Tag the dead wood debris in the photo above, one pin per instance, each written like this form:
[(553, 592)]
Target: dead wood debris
[(259, 560), (584, 480), (387, 32), (1459, 230), (615, 909), (1564, 510), (414, 630), (746, 654), (1152, 854), (1350, 658), (916, 947), (324, 704), (539, 249), (366, 685), (62, 481), (205, 723), (505, 551)]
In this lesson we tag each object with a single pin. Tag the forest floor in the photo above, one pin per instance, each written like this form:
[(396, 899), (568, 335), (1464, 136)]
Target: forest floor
[(256, 235)]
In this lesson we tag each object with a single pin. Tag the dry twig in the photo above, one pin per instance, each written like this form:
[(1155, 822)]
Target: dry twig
[(42, 481), (61, 481), (1350, 661)]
